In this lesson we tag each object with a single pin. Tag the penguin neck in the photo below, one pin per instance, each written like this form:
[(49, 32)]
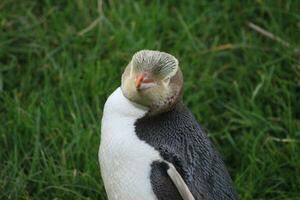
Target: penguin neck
[(178, 107), (178, 104), (118, 104)]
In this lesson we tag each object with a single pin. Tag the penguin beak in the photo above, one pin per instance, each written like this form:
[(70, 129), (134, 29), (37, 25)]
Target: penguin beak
[(142, 82), (138, 81)]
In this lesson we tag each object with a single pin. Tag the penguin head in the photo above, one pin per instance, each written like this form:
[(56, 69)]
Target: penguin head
[(153, 79)]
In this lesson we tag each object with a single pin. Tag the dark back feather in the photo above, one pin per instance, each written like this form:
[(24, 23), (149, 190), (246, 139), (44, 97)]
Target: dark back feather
[(180, 140)]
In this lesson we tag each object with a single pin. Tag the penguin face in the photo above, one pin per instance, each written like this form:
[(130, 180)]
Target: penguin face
[(153, 79)]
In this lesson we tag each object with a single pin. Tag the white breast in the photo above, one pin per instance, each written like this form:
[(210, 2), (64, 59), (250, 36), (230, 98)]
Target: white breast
[(125, 160)]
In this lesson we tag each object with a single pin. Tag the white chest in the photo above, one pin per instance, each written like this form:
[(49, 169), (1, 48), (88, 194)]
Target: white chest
[(125, 160)]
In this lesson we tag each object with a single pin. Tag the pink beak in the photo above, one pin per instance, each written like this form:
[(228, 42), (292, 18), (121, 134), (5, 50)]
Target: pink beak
[(142, 82)]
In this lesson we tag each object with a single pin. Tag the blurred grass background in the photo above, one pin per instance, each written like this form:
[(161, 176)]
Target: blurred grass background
[(59, 60)]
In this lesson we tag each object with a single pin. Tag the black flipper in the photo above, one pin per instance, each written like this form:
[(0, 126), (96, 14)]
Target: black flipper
[(164, 187)]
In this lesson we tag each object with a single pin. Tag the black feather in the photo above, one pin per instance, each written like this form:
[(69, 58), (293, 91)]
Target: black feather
[(180, 140)]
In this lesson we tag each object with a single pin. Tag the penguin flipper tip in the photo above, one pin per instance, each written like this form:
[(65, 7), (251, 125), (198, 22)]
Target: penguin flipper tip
[(179, 182)]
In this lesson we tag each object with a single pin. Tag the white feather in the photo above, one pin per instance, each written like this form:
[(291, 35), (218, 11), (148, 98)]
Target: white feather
[(125, 160)]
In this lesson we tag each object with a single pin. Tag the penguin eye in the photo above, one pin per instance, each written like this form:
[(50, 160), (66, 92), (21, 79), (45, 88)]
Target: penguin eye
[(166, 80)]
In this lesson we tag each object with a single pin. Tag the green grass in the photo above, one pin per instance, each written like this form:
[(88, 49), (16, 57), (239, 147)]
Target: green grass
[(54, 82)]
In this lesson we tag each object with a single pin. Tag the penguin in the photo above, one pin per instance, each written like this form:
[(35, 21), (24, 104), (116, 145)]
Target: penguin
[(152, 147)]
